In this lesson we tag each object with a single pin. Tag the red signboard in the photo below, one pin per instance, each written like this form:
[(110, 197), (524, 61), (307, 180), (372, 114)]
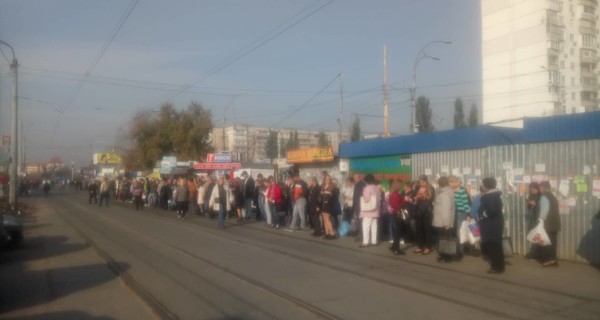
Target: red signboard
[(217, 166)]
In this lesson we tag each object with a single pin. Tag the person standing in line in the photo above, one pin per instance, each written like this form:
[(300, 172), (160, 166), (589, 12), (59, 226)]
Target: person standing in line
[(330, 195), (273, 200), (444, 213), (359, 185), (550, 216), (259, 199), (210, 184), (424, 216), (299, 193), (193, 195), (200, 198), (93, 192), (369, 218), (249, 187), (238, 198), (104, 189), (462, 207), (136, 191), (347, 200), (182, 198), (491, 225), (165, 193), (532, 217), (220, 200), (397, 203), (314, 199)]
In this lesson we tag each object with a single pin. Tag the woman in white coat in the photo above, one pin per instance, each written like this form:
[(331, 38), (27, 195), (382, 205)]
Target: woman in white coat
[(220, 201)]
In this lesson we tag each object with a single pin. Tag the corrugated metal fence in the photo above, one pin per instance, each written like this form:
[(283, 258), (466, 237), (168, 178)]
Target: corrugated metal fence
[(569, 166)]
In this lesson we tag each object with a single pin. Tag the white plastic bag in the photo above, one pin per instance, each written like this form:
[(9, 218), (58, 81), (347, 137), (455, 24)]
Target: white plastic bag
[(465, 234), (538, 235)]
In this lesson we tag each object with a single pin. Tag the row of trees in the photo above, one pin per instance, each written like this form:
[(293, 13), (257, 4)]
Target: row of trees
[(424, 118), (186, 133)]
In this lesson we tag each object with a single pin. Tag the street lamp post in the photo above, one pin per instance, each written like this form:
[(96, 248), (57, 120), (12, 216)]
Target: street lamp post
[(12, 198), (420, 56)]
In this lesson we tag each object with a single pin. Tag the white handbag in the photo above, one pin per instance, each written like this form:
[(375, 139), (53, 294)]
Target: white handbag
[(538, 235)]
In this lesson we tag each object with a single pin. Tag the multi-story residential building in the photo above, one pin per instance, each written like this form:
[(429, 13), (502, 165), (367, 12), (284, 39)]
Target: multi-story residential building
[(249, 143), (540, 58)]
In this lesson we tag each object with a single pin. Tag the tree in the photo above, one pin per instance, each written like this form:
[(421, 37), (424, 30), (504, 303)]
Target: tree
[(459, 114), (271, 145), (424, 115), (283, 147), (323, 139), (355, 130), (152, 135), (474, 116)]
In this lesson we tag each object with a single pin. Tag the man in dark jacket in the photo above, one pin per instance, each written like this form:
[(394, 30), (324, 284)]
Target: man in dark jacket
[(491, 225), (549, 214), (93, 191), (248, 191), (314, 192), (359, 185)]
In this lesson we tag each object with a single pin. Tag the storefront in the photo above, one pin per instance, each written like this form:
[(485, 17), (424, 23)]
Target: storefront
[(311, 162)]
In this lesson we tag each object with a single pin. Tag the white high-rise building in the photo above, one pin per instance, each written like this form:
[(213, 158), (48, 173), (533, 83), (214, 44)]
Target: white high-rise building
[(539, 58)]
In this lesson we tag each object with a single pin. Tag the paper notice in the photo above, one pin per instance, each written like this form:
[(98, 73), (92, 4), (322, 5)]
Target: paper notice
[(527, 179), (507, 165), (563, 187), (518, 171), (428, 171), (445, 169), (596, 187), (587, 170), (456, 171), (540, 167), (467, 170), (478, 172)]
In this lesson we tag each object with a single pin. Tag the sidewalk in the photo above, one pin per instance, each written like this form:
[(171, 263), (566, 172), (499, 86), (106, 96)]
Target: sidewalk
[(54, 274)]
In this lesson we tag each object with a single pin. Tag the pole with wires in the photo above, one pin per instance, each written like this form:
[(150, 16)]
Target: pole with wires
[(12, 195)]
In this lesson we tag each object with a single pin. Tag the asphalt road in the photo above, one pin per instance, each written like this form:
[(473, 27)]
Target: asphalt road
[(189, 269)]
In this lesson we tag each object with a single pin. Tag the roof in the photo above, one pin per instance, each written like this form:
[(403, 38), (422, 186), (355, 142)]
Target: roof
[(577, 126), (535, 130), (458, 139)]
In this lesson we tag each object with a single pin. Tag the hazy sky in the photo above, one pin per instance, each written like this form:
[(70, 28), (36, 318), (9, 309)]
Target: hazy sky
[(258, 60)]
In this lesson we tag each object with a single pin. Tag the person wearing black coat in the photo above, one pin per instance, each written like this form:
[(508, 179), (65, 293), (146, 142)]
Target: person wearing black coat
[(314, 201), (491, 225)]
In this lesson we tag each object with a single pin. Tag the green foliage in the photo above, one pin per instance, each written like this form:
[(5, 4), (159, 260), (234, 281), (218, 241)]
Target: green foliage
[(152, 135), (424, 115), (355, 130), (271, 145), (459, 114), (474, 116)]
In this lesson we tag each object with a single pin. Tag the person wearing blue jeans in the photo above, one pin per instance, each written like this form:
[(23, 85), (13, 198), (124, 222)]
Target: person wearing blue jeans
[(299, 193)]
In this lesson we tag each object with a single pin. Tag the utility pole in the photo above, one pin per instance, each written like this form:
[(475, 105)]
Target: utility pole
[(386, 129), (14, 145), (341, 115)]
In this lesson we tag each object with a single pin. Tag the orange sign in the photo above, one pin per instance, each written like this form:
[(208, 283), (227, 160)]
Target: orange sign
[(310, 155)]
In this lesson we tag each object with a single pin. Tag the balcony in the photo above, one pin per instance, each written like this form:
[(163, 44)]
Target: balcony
[(588, 56), (587, 17), (556, 36), (591, 3), (589, 103), (587, 29)]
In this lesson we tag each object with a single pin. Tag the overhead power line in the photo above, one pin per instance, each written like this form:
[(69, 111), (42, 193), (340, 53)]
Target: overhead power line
[(95, 61), (266, 38)]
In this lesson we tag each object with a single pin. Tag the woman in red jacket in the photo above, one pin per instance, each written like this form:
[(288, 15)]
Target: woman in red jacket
[(397, 202), (274, 200)]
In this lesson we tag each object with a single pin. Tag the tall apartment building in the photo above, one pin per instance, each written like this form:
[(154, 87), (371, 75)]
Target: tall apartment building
[(539, 58), (250, 142)]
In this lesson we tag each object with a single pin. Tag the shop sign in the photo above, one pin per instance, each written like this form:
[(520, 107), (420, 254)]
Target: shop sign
[(167, 164), (401, 164), (217, 166), (310, 155), (221, 157), (107, 158)]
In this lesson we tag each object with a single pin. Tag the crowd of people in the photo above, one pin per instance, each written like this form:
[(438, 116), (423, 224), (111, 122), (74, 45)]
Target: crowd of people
[(406, 214)]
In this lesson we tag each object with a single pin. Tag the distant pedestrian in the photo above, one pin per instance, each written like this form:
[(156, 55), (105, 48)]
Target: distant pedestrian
[(104, 189), (93, 192), (550, 216), (248, 192), (371, 195), (424, 215), (182, 198)]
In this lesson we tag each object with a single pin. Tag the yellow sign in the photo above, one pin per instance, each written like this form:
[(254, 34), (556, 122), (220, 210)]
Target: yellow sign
[(310, 155), (108, 158)]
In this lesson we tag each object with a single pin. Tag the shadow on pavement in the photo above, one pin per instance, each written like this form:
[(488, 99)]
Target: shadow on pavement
[(24, 289), (40, 247), (63, 315)]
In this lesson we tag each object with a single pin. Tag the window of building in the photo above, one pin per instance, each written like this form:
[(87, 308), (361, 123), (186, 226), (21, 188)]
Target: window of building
[(555, 45), (588, 40), (588, 9), (573, 96)]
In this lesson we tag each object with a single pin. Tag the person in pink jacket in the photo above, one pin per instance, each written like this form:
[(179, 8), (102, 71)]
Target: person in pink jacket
[(369, 216)]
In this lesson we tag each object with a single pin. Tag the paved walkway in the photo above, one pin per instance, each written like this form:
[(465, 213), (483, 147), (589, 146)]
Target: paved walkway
[(55, 274)]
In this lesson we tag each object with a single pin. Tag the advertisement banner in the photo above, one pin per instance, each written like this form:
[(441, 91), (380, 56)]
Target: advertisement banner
[(401, 164), (309, 155), (107, 158), (167, 164), (221, 157)]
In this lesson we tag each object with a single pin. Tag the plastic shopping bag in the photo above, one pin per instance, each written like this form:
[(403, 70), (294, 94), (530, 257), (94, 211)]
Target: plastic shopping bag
[(538, 235)]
